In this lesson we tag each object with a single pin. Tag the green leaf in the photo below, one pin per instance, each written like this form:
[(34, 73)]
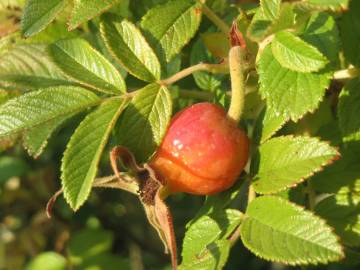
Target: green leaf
[(82, 155), (203, 79), (47, 261), (270, 8), (145, 121), (130, 48), (284, 162), (84, 11), (327, 4), (295, 54), (36, 139), (171, 26), (204, 237), (290, 93), (261, 26), (348, 111), (350, 33), (321, 32), (267, 124), (342, 212), (38, 14), (280, 231), (214, 256), (29, 66), (39, 107), (77, 59)]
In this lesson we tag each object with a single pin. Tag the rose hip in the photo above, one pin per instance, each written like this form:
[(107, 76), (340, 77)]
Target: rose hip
[(203, 151)]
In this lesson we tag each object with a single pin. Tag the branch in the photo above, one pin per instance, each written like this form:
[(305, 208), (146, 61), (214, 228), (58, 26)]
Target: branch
[(215, 19), (213, 68)]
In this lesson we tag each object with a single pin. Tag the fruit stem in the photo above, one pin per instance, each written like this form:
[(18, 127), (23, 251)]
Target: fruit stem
[(215, 19), (348, 73), (236, 109), (213, 68)]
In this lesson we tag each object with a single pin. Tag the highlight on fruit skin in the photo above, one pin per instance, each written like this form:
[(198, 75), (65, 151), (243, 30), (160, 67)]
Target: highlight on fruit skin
[(203, 151)]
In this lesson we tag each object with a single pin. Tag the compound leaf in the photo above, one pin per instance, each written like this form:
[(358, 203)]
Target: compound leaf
[(295, 54), (283, 162), (205, 238), (270, 8), (129, 47), (261, 26), (82, 155), (39, 107), (267, 124), (277, 230), (288, 92), (38, 14), (334, 5), (77, 59), (172, 25), (29, 67), (84, 11), (36, 139), (145, 121)]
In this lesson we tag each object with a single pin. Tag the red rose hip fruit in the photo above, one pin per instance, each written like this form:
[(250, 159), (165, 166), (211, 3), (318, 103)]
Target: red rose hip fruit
[(203, 151)]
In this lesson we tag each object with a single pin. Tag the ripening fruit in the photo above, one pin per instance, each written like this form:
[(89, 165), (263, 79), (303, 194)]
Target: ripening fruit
[(203, 151)]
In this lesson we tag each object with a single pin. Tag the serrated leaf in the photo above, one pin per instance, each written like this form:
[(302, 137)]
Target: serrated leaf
[(277, 230), (348, 111), (77, 59), (288, 92), (130, 48), (328, 4), (270, 8), (82, 155), (171, 26), (214, 257), (84, 11), (261, 26), (350, 33), (206, 232), (145, 121), (321, 32), (36, 139), (295, 54), (267, 124), (29, 67), (203, 79), (342, 212), (283, 162), (38, 14), (39, 107)]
